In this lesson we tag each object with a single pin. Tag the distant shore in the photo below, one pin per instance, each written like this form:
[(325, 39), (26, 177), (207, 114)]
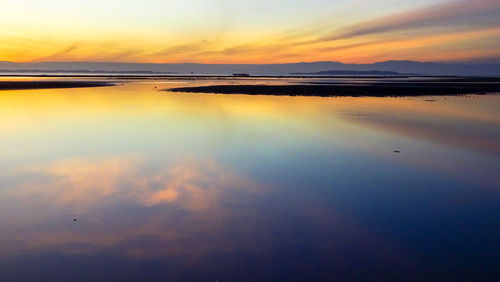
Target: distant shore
[(24, 85), (382, 89)]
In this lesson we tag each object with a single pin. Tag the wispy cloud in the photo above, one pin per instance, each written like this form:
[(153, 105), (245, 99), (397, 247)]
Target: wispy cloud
[(454, 14), (59, 54)]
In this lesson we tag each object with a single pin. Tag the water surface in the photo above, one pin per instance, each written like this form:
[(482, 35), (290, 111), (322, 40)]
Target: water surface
[(180, 187)]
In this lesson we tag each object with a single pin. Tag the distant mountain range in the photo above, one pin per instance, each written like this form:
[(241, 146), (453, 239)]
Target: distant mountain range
[(354, 73), (399, 67)]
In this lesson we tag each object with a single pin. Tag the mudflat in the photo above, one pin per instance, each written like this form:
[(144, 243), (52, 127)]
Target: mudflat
[(14, 85), (368, 89)]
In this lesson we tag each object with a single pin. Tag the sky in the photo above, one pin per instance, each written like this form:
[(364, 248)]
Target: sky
[(249, 31)]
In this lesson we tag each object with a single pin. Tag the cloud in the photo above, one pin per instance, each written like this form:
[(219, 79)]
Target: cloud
[(58, 55), (185, 48), (455, 13)]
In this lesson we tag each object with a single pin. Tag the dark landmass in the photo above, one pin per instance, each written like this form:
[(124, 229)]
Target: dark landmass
[(37, 71), (139, 76), (355, 73), (15, 85), (382, 89)]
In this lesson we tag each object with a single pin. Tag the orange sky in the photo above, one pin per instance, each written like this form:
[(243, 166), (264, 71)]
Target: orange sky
[(219, 31)]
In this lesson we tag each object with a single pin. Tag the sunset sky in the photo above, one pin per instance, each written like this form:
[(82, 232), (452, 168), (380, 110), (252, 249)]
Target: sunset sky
[(250, 31)]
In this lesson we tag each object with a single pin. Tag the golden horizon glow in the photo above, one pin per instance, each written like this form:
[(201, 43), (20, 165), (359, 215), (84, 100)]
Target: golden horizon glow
[(195, 31)]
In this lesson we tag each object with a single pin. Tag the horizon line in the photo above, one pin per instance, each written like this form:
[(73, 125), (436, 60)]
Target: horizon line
[(473, 62)]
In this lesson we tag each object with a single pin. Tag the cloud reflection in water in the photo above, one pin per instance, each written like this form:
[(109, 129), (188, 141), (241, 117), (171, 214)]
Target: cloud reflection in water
[(116, 200)]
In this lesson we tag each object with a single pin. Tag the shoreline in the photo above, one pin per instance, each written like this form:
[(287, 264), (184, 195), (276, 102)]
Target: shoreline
[(229, 76), (394, 89), (33, 85)]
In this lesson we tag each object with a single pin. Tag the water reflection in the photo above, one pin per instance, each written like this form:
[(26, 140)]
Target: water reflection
[(88, 189), (194, 185), (216, 187)]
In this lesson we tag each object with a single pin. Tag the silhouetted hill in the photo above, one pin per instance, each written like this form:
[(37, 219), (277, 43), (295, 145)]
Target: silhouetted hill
[(352, 72)]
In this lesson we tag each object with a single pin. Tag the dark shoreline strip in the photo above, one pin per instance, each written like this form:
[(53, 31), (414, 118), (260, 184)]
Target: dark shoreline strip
[(26, 85), (352, 90)]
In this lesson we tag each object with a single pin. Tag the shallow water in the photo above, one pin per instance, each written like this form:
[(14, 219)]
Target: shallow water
[(206, 187)]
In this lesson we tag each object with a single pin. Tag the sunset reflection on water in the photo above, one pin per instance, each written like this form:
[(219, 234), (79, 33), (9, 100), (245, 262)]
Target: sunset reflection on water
[(200, 186)]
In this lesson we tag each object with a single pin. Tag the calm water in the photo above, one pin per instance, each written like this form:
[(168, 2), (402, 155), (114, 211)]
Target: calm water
[(205, 187)]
